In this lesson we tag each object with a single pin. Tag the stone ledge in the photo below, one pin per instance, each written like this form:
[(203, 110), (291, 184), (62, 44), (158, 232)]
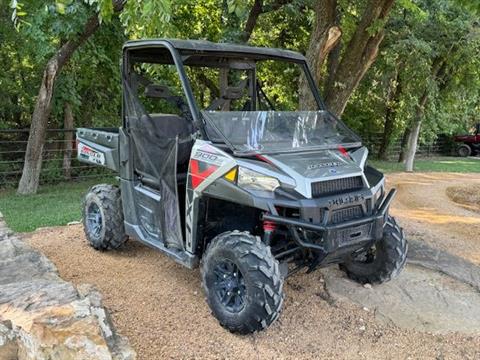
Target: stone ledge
[(424, 255), (44, 317)]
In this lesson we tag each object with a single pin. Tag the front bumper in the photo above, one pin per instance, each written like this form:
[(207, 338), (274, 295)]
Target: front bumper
[(335, 239)]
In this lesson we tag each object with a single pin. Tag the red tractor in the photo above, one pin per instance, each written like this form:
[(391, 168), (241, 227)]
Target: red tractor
[(470, 144)]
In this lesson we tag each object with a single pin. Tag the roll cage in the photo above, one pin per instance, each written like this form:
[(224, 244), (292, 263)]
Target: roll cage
[(203, 53)]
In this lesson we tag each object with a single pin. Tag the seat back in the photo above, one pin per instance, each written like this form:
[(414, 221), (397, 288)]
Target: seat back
[(171, 126)]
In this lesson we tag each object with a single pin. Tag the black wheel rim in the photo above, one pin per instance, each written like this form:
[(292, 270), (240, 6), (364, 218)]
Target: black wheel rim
[(229, 286), (94, 220)]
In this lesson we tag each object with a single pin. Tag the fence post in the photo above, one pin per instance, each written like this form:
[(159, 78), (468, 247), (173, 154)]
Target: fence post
[(68, 137)]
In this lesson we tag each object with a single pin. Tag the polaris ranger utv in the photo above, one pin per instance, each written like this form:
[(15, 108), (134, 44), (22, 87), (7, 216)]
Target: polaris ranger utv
[(219, 166)]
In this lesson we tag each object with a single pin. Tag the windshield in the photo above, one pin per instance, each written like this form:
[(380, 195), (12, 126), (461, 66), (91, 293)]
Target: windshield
[(278, 131)]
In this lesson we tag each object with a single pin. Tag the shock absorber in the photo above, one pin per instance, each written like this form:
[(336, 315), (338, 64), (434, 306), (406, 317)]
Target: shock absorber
[(268, 229)]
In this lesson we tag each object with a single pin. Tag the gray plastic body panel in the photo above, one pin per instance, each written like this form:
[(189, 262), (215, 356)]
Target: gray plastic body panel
[(133, 227), (104, 142)]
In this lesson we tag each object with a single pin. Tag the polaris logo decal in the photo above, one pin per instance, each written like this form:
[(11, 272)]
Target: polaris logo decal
[(323, 165)]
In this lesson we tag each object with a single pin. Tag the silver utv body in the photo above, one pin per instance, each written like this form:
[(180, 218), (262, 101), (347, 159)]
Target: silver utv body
[(328, 200)]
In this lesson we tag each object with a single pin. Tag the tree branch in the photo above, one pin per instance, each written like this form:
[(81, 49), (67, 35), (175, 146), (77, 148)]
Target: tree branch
[(257, 9)]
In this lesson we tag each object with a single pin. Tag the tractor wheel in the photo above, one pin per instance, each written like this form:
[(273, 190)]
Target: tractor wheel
[(103, 217), (242, 282), (383, 261), (464, 150)]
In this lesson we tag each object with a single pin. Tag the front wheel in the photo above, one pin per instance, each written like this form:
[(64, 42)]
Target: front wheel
[(383, 261), (242, 282)]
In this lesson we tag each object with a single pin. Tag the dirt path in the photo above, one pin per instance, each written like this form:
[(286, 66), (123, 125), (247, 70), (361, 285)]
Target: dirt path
[(159, 305), (426, 212)]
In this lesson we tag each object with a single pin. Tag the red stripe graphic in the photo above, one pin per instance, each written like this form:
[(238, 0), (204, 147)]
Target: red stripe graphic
[(199, 176)]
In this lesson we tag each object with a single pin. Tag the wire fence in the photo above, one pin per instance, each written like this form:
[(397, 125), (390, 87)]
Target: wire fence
[(60, 156), (443, 145)]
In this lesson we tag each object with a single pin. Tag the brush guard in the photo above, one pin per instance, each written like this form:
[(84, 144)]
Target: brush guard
[(334, 240)]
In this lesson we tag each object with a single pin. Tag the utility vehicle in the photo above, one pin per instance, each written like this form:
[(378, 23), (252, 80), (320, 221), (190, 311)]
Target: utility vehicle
[(470, 144), (220, 166)]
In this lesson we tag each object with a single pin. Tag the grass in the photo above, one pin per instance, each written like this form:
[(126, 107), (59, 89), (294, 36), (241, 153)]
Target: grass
[(53, 205), (437, 164)]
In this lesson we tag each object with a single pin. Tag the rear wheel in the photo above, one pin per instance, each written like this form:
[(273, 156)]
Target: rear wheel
[(381, 262), (242, 282), (103, 217), (464, 150)]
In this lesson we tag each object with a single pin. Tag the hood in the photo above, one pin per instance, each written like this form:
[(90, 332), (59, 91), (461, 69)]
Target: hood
[(306, 168), (321, 164)]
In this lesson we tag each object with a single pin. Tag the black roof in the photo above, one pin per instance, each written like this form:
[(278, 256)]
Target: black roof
[(203, 46)]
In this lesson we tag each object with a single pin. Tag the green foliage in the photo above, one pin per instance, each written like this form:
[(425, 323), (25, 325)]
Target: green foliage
[(417, 34), (90, 81), (421, 34), (147, 18)]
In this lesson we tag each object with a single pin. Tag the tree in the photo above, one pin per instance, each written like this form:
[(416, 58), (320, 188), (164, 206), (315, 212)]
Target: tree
[(453, 36), (33, 156), (394, 91), (359, 51), (391, 96), (412, 140)]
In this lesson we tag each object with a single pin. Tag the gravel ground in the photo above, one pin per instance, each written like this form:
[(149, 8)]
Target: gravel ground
[(427, 213), (466, 195), (160, 307)]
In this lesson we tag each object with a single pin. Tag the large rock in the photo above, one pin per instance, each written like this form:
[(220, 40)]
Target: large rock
[(422, 254), (44, 317), (418, 299)]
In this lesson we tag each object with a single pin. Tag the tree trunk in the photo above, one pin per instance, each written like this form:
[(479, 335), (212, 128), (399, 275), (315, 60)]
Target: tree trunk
[(33, 156), (412, 143), (358, 56), (36, 138), (438, 70), (333, 58), (414, 133), (392, 100), (325, 35), (68, 138), (403, 145)]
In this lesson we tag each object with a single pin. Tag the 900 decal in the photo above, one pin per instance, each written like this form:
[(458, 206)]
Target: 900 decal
[(208, 157), (86, 153)]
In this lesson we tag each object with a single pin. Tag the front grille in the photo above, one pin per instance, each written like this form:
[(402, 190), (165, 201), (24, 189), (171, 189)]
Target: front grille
[(350, 213), (329, 187)]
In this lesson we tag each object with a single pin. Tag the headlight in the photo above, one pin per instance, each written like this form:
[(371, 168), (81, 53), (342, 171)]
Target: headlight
[(252, 180)]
